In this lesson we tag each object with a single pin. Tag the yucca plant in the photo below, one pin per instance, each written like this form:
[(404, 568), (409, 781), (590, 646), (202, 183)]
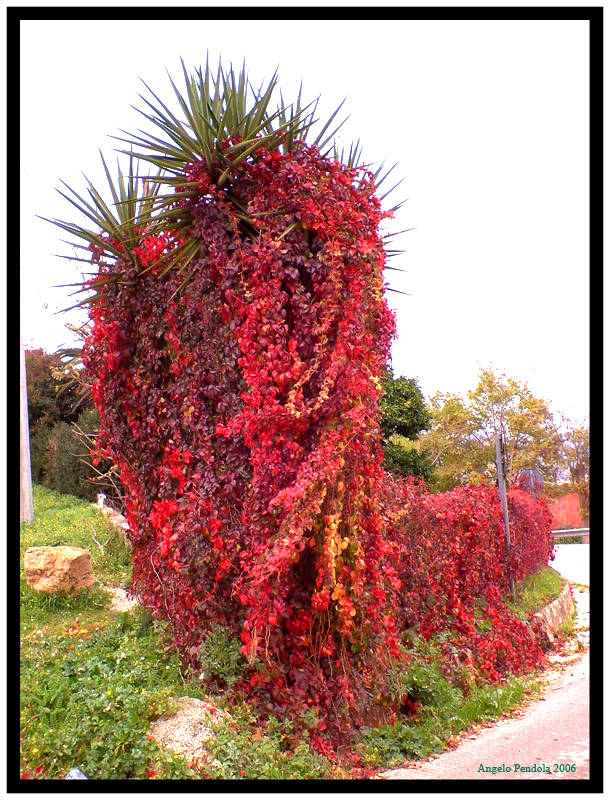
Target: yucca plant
[(239, 333), (219, 129)]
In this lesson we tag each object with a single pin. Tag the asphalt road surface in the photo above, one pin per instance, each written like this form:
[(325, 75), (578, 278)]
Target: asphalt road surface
[(572, 561), (553, 730)]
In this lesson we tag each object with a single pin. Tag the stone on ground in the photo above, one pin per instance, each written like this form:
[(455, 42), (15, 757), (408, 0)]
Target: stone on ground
[(58, 569), (120, 599), (187, 731), (76, 775)]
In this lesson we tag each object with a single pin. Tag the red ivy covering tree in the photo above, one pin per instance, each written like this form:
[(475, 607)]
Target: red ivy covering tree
[(243, 417), (239, 335)]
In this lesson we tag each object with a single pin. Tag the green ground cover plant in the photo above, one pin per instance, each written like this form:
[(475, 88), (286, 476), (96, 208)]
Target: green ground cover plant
[(242, 749), (93, 680), (88, 696)]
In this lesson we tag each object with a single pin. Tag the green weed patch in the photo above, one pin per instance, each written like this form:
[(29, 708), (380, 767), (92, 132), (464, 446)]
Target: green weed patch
[(440, 711)]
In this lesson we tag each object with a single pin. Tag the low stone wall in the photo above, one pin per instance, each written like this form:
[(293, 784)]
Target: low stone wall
[(114, 517), (559, 611)]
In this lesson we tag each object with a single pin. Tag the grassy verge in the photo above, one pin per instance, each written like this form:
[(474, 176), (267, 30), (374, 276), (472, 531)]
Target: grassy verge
[(61, 519), (445, 710), (93, 680), (536, 591)]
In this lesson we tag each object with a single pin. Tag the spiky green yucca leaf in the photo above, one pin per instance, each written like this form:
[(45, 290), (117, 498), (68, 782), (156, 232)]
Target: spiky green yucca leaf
[(219, 122), (118, 226), (131, 210)]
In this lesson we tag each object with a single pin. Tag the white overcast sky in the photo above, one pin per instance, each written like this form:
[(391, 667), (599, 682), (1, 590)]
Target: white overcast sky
[(487, 119)]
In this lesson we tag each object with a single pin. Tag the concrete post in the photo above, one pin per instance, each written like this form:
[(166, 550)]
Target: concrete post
[(27, 505)]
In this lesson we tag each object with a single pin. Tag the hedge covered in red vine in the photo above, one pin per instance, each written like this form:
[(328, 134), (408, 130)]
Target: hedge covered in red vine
[(455, 570)]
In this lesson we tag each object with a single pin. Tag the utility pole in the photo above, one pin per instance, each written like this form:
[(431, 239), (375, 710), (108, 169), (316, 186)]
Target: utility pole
[(27, 506), (502, 489)]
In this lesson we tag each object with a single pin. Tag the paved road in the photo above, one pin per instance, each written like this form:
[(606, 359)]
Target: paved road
[(552, 730), (572, 561)]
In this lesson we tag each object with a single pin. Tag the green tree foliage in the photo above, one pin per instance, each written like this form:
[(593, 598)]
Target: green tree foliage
[(39, 454), (403, 407), (461, 441), (64, 467), (46, 403), (404, 416), (575, 451), (61, 458), (58, 399)]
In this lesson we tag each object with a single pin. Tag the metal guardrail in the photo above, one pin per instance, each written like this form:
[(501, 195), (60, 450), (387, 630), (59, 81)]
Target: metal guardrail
[(564, 533)]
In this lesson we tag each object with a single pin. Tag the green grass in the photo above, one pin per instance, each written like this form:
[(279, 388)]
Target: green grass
[(89, 694), (245, 749), (445, 710), (537, 590), (62, 519), (92, 681)]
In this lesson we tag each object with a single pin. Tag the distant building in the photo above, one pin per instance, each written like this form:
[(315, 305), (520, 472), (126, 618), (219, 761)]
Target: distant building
[(566, 511)]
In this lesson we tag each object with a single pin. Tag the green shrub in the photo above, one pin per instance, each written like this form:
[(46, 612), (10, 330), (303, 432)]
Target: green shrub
[(39, 455), (268, 752), (66, 468), (423, 682), (61, 461), (221, 658), (402, 457)]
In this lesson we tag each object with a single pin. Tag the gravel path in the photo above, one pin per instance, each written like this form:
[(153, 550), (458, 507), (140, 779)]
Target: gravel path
[(119, 601), (551, 730)]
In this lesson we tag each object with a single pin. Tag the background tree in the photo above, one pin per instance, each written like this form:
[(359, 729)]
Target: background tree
[(63, 458), (404, 415), (64, 424), (46, 403), (575, 451), (461, 441)]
